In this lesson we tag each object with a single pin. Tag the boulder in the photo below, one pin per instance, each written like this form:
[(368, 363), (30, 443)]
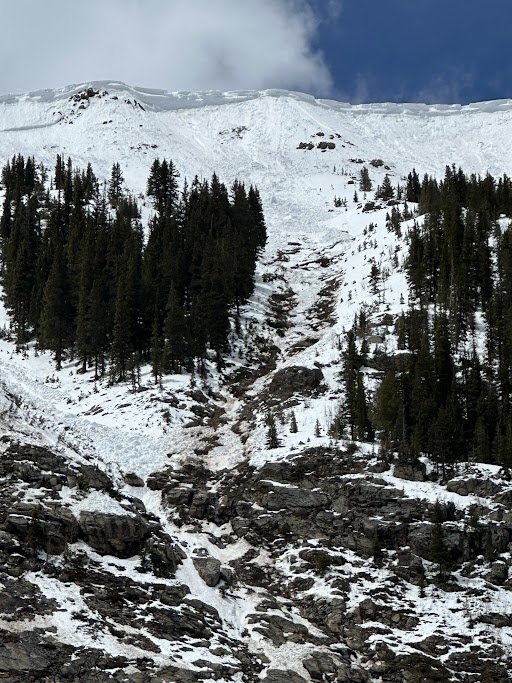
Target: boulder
[(23, 656), (162, 557), (208, 569), (109, 534), (296, 380), (498, 574), (132, 479), (411, 471), (48, 529), (291, 497)]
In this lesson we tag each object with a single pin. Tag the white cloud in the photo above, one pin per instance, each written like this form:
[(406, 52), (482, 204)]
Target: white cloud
[(173, 44)]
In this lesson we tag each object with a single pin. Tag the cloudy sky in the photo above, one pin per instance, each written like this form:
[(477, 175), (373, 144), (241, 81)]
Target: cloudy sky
[(356, 50)]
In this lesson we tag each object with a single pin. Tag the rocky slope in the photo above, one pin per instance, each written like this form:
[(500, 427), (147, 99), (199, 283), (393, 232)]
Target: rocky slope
[(153, 537)]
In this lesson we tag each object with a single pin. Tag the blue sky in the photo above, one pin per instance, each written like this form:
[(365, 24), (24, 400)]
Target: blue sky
[(352, 50), (409, 50)]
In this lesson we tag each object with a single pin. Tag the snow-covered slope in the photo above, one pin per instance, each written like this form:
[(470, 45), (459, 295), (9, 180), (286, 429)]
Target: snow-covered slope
[(188, 463), (255, 136)]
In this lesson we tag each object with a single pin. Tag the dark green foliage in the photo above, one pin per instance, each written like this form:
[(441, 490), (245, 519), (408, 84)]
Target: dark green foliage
[(272, 440), (387, 409), (413, 187), (318, 431), (385, 191), (353, 410), (79, 278), (115, 188), (365, 183), (293, 424), (445, 401)]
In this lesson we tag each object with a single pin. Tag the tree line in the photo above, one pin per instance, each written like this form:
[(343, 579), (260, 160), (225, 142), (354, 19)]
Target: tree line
[(84, 279)]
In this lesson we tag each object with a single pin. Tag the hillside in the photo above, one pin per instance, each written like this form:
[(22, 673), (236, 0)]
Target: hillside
[(157, 535)]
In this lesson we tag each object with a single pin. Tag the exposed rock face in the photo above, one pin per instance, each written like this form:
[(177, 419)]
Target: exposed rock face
[(50, 529), (321, 518), (477, 487), (296, 380), (108, 534)]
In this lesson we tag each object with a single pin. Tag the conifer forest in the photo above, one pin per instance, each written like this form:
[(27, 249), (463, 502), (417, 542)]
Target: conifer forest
[(82, 279)]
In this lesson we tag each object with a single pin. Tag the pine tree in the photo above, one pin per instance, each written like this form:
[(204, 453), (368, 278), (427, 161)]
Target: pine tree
[(157, 353), (115, 188), (365, 183), (387, 408), (293, 423), (175, 334), (385, 191), (272, 440), (318, 431), (413, 187), (56, 322)]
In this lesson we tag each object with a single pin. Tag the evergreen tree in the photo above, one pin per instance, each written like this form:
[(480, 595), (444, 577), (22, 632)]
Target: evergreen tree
[(365, 182), (272, 440), (115, 188), (56, 322), (385, 191)]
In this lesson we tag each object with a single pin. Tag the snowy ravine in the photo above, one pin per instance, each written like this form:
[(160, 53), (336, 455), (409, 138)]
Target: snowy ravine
[(153, 536)]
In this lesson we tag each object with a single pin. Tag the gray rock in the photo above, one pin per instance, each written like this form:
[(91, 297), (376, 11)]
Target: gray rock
[(93, 478), (172, 596), (279, 676), (498, 573), (203, 505), (49, 529), (132, 479), (279, 630), (415, 472), (162, 557), (208, 569), (17, 657), (319, 664), (296, 380), (485, 488), (279, 497), (119, 535)]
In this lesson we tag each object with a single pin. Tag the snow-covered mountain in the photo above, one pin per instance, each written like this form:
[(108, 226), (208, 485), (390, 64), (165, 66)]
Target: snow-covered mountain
[(182, 548)]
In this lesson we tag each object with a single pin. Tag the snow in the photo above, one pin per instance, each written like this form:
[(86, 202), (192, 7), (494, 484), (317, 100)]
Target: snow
[(320, 252)]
